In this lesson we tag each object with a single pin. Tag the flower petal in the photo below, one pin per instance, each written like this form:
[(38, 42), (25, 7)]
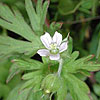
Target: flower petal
[(43, 52), (63, 46), (55, 57), (46, 39), (57, 38)]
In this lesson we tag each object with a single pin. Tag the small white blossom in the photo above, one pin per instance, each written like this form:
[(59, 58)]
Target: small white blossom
[(54, 46)]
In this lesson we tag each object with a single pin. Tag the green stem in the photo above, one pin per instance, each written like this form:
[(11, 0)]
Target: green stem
[(60, 67)]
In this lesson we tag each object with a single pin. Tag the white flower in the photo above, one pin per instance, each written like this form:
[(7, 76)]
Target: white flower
[(54, 46)]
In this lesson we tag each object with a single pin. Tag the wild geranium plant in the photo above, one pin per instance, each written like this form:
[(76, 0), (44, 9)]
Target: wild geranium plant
[(54, 47), (60, 73)]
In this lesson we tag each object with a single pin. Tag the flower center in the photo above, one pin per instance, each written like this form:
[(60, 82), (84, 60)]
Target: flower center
[(54, 49)]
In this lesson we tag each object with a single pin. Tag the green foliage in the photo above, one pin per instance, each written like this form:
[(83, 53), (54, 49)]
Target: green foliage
[(37, 18), (80, 65), (78, 89), (16, 23), (62, 92), (4, 90), (54, 26), (4, 87), (96, 88), (8, 46), (20, 65), (16, 95), (97, 77), (66, 6), (40, 80), (94, 96), (3, 74), (94, 46)]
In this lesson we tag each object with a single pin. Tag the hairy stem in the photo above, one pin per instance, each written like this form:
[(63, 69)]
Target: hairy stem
[(60, 66)]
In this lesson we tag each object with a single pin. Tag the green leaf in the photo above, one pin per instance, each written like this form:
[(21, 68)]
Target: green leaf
[(97, 77), (35, 21), (62, 92), (32, 82), (9, 1), (4, 91), (80, 65), (16, 95), (43, 16), (74, 55), (20, 65), (15, 81), (96, 88), (94, 7), (94, 96), (94, 45), (27, 84), (37, 18), (9, 46), (85, 72), (85, 10), (30, 75), (13, 72), (45, 60), (27, 65), (15, 22), (66, 6), (27, 94), (71, 58), (3, 74), (91, 67), (78, 89), (98, 50), (54, 26), (39, 7), (82, 76), (87, 4), (84, 59)]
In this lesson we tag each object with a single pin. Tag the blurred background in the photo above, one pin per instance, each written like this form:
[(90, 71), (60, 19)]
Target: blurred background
[(79, 17)]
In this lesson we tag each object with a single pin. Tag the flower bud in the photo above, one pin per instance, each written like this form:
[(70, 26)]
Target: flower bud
[(51, 83)]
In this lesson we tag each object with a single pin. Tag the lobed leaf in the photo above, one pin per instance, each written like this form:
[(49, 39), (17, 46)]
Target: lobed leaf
[(32, 82), (97, 77), (91, 66), (9, 46), (15, 22), (96, 88), (15, 95), (13, 71), (44, 12), (62, 92), (35, 21), (78, 89), (37, 17), (39, 7), (26, 65), (74, 66), (30, 75)]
